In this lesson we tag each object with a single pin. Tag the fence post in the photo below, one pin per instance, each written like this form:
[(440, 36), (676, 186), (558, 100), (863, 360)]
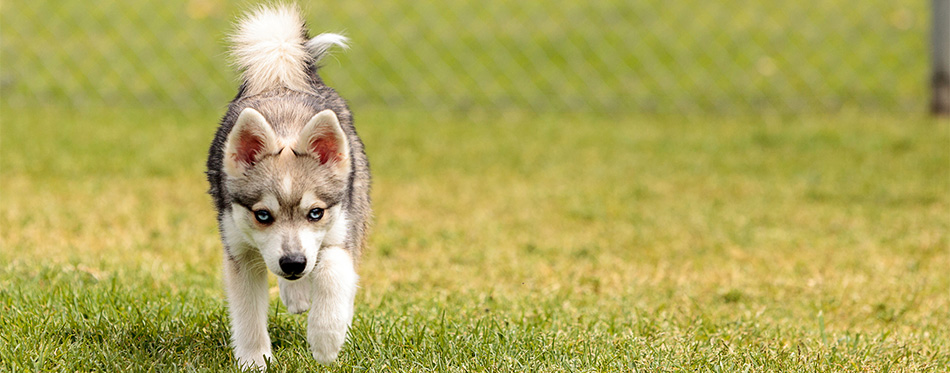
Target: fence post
[(940, 58)]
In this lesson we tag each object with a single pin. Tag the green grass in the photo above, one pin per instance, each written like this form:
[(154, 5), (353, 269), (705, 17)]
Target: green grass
[(502, 243)]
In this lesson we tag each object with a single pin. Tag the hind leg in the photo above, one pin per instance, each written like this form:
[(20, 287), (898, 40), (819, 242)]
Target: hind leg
[(334, 289), (296, 295)]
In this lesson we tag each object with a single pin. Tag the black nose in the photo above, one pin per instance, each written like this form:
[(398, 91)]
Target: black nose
[(293, 264)]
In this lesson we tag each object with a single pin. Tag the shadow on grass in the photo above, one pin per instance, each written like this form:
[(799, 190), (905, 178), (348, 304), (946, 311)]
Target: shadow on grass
[(70, 320)]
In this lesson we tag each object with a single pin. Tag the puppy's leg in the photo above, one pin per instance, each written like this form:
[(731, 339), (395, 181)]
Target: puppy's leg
[(246, 285), (296, 295), (334, 287)]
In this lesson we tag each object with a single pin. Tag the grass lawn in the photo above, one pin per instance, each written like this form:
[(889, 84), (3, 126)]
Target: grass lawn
[(502, 243)]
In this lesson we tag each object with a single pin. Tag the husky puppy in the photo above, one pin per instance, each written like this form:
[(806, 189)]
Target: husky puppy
[(290, 181)]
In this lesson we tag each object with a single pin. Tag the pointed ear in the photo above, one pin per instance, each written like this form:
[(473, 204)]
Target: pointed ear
[(323, 139), (250, 139)]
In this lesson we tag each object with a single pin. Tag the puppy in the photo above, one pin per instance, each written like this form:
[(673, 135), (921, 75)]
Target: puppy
[(290, 182)]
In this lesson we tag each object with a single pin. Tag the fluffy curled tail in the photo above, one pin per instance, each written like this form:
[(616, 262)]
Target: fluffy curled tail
[(272, 49)]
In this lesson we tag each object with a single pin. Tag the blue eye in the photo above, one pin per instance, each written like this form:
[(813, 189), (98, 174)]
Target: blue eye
[(315, 214), (263, 217)]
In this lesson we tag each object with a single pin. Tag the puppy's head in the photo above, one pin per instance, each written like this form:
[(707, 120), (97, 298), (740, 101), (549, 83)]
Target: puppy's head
[(286, 193)]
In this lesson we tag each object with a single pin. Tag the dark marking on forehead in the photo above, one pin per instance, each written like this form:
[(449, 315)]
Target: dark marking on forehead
[(288, 204)]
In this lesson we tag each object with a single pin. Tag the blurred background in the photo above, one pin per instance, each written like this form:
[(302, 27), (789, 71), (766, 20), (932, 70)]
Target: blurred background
[(660, 183), (600, 56)]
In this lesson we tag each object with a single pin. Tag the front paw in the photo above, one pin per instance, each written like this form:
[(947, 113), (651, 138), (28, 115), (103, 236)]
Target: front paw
[(325, 345), (254, 361)]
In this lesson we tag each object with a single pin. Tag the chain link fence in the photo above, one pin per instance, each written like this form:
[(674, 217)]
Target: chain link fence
[(612, 56)]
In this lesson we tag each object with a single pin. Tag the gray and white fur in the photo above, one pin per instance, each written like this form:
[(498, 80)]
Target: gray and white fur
[(290, 181)]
